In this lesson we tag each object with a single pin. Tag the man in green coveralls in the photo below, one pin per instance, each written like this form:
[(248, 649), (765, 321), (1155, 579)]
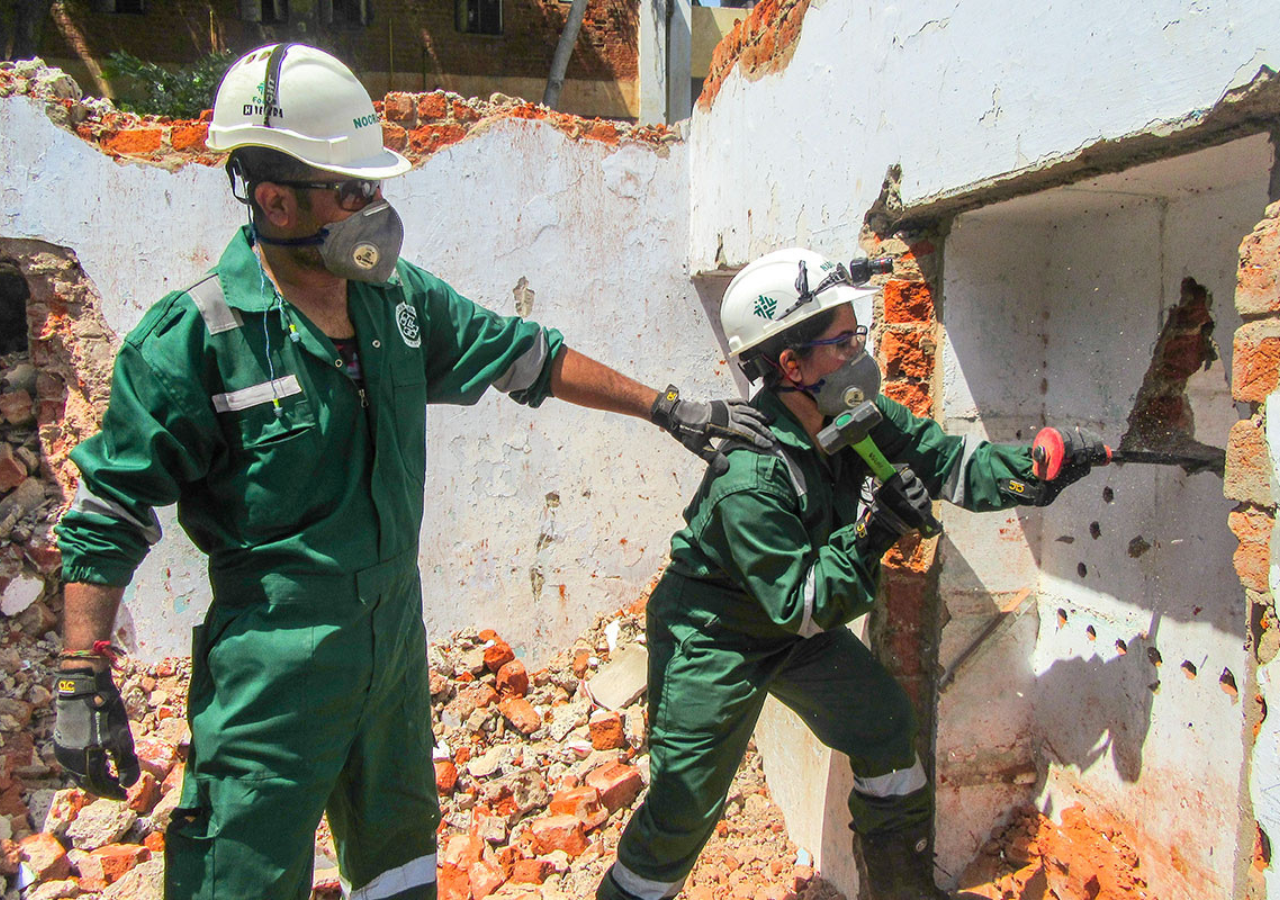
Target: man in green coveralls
[(280, 402), (774, 559)]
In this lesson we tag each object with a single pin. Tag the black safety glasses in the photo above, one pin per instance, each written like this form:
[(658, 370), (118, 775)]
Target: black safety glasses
[(352, 195)]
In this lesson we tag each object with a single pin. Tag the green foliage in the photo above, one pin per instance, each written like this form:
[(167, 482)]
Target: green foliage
[(151, 89)]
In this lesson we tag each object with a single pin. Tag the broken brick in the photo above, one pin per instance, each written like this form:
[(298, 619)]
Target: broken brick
[(530, 871), (583, 803), (618, 784), (45, 856), (552, 833), (497, 655), (108, 864), (908, 302), (446, 776), (155, 756), (513, 679), (485, 878), (606, 730), (143, 794), (521, 714)]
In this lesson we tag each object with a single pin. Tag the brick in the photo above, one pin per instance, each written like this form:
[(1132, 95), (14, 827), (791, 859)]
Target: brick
[(581, 662), (400, 107), (184, 138), (154, 842), (433, 106), (427, 139), (907, 353), (606, 730), (476, 695), (394, 136), (1252, 557), (530, 871), (47, 558), (513, 679), (144, 794), (1255, 368), (485, 877), (618, 784), (913, 396), (155, 756), (1247, 476), (462, 850), (521, 714), (453, 883), (16, 407), (45, 856), (497, 655), (109, 864), (12, 471), (446, 776), (583, 803), (908, 302), (134, 142), (1257, 288), (552, 833), (10, 857)]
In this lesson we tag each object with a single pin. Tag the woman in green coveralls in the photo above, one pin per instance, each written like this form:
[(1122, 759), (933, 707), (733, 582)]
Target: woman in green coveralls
[(774, 559)]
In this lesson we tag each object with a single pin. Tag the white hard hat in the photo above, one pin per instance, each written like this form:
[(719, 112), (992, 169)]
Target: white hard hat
[(306, 103), (779, 291)]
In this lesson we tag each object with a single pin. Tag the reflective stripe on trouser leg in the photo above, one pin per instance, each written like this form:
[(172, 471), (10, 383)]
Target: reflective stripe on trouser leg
[(416, 873), (644, 888), (892, 801)]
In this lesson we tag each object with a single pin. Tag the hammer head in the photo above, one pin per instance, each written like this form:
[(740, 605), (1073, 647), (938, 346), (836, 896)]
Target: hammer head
[(849, 427)]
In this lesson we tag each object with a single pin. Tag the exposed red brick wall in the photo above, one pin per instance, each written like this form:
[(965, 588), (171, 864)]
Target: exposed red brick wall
[(906, 628), (759, 44), (417, 125), (1248, 479), (405, 36)]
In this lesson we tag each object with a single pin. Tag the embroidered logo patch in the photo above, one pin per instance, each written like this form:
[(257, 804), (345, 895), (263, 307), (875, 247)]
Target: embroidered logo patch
[(407, 322), (765, 307)]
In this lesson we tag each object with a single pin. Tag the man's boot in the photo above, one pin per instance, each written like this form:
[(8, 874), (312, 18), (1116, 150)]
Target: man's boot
[(899, 865)]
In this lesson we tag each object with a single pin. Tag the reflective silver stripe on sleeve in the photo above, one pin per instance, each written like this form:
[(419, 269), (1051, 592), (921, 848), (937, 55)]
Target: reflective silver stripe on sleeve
[(897, 783), (807, 626), (414, 874), (644, 888), (953, 488), (793, 468), (257, 394), (208, 297), (521, 374), (87, 502)]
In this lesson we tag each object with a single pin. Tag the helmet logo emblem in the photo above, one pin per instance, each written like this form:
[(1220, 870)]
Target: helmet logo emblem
[(407, 322), (365, 256), (257, 105), (765, 307)]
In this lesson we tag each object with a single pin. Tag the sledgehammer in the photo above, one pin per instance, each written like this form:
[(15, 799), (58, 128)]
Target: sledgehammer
[(852, 428)]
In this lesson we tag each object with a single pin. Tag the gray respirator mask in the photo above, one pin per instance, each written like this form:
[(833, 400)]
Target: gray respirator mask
[(362, 247), (856, 381)]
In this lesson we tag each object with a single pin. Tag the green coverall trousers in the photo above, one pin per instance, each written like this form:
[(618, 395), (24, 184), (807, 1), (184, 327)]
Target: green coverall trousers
[(707, 685), (312, 703)]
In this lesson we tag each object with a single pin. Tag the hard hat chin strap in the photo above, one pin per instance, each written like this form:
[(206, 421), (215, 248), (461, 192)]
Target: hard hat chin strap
[(313, 240), (271, 85)]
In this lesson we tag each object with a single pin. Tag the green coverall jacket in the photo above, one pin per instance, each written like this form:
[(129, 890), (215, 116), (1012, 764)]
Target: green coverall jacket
[(762, 577), (309, 688)]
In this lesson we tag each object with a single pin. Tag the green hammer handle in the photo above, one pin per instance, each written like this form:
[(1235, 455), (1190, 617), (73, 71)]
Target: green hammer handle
[(880, 467)]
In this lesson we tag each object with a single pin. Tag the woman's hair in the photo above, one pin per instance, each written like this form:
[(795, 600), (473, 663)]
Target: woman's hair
[(794, 338)]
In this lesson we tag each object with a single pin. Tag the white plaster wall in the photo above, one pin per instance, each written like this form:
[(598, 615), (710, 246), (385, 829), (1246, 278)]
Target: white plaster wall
[(958, 94), (1264, 782), (1084, 278), (599, 235)]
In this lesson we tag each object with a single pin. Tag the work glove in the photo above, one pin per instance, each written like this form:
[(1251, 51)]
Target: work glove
[(1059, 457), (899, 505), (91, 726), (696, 424)]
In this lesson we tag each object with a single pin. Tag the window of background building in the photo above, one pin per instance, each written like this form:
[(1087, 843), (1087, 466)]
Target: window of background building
[(479, 16), (268, 12), (137, 7), (346, 13)]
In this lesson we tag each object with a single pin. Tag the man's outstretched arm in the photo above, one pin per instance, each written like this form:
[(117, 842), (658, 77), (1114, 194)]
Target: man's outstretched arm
[(580, 380)]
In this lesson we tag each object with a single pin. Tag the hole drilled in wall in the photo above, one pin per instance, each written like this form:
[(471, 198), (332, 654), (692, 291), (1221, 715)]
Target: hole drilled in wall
[(1108, 495), (1189, 668), (1154, 657), (1062, 617), (1095, 530), (1122, 648), (1082, 570), (1091, 633), (1228, 682)]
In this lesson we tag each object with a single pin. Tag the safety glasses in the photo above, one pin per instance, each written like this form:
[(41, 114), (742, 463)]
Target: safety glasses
[(845, 341), (352, 195)]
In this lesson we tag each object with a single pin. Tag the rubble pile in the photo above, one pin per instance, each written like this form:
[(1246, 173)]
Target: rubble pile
[(1087, 857), (538, 773)]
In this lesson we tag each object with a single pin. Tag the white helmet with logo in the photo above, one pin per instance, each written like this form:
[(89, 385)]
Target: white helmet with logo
[(777, 292), (303, 102)]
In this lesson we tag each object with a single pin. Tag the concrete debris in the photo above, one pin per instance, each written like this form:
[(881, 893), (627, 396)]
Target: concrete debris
[(532, 811), (619, 683)]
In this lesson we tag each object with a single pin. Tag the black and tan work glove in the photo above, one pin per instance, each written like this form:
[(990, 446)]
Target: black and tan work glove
[(900, 505), (92, 727), (696, 424), (1059, 457)]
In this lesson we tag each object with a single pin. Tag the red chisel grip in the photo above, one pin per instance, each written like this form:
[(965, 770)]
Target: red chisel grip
[(1055, 449)]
